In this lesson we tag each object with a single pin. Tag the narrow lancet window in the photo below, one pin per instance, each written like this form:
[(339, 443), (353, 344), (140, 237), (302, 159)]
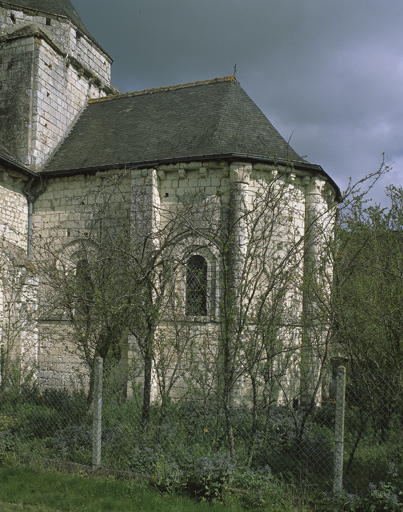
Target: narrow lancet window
[(196, 286)]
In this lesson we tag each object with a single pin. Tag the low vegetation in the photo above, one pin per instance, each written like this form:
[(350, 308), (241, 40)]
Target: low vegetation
[(185, 452), (26, 488)]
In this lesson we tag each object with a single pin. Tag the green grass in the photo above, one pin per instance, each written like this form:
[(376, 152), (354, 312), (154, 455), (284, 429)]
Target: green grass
[(43, 490)]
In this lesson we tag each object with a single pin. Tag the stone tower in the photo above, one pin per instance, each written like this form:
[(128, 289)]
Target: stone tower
[(50, 67)]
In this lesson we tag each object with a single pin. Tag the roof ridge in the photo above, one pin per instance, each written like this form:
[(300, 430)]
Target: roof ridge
[(155, 90)]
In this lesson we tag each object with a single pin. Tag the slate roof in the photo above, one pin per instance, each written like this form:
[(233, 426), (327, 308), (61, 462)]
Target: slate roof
[(214, 117), (9, 160), (6, 159), (57, 7)]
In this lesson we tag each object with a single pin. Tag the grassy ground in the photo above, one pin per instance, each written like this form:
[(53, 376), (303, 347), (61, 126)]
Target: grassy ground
[(44, 490), (26, 489)]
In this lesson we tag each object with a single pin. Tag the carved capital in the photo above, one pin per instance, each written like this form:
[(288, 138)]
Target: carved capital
[(273, 174), (240, 173), (315, 186)]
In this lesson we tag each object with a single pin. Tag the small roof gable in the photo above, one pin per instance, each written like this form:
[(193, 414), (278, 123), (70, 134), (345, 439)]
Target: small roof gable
[(57, 7), (214, 117)]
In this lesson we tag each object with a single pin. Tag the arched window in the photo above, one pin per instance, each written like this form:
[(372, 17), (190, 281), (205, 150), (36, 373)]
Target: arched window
[(196, 286)]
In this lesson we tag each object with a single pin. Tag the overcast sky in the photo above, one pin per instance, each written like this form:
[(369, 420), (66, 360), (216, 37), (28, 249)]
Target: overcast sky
[(328, 74)]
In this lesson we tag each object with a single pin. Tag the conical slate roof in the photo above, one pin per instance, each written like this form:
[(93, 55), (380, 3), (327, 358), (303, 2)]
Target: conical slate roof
[(58, 7), (214, 117)]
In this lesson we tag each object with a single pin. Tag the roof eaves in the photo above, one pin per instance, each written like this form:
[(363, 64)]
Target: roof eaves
[(300, 165), (17, 166)]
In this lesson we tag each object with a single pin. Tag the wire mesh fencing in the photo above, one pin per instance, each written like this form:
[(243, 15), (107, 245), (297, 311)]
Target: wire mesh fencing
[(202, 445)]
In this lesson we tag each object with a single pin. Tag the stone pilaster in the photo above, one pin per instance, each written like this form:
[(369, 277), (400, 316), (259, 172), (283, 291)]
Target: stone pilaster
[(313, 330)]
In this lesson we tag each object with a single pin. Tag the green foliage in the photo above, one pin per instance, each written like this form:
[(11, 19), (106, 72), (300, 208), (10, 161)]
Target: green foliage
[(387, 496), (368, 306), (7, 447), (42, 490), (73, 443), (38, 421), (212, 477), (369, 295), (39, 414), (185, 448)]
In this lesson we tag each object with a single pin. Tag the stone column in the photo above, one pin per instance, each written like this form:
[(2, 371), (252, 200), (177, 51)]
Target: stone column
[(144, 232), (238, 203), (238, 243), (312, 335), (145, 203)]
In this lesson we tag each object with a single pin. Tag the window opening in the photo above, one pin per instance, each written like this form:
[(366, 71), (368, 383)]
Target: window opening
[(196, 286)]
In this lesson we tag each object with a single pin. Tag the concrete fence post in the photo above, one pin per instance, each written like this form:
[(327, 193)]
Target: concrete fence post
[(97, 421), (339, 429)]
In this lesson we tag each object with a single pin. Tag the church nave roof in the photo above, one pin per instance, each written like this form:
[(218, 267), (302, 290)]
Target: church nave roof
[(213, 117)]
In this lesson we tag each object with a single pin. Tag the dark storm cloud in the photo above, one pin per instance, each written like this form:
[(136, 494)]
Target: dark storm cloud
[(327, 73)]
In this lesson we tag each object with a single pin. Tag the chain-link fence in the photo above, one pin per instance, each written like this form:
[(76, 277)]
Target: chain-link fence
[(197, 444)]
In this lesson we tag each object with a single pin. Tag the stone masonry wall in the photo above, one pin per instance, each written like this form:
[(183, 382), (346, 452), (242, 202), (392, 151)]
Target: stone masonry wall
[(16, 72), (64, 220), (207, 189), (48, 71), (64, 34), (60, 92), (18, 329), (145, 197), (59, 364), (14, 211)]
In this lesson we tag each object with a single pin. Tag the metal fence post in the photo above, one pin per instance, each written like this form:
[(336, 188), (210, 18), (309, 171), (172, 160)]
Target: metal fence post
[(339, 429), (97, 421)]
